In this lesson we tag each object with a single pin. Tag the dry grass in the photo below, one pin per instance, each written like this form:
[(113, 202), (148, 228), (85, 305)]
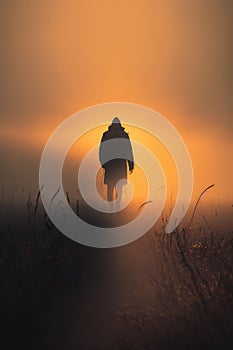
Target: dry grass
[(189, 301)]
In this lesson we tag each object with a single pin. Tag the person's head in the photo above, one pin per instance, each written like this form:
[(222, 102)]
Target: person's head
[(116, 120), (116, 124)]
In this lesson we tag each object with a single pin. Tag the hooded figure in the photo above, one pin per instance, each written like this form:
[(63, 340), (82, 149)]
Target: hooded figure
[(116, 167)]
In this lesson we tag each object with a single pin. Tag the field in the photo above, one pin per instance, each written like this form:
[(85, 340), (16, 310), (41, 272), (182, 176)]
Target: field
[(160, 292)]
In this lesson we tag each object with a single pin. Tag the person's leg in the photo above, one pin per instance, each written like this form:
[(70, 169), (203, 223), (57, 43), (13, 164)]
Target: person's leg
[(110, 189), (119, 194)]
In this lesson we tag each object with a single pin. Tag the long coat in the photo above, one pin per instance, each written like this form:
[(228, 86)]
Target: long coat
[(115, 169)]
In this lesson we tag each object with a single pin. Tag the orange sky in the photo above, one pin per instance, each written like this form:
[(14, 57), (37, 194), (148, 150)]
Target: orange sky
[(174, 56)]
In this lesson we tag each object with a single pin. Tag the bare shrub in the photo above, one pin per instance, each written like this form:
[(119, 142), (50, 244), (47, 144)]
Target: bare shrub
[(190, 294)]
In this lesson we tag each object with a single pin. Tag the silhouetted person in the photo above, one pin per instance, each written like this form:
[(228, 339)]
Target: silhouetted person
[(115, 169)]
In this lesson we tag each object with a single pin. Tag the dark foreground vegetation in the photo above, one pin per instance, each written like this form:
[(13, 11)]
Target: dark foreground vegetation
[(57, 294), (190, 296)]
